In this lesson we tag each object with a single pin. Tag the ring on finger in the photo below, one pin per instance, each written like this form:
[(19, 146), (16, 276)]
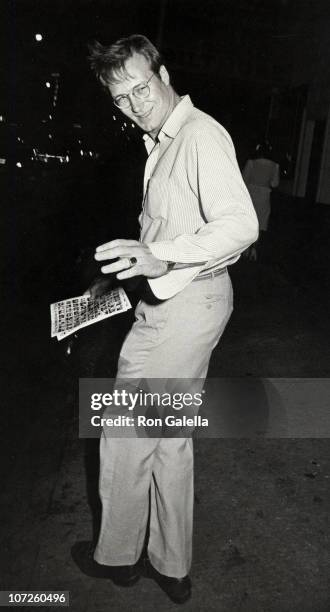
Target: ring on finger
[(132, 261)]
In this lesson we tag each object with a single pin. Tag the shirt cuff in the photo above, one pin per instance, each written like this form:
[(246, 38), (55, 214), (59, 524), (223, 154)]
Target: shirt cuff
[(168, 285)]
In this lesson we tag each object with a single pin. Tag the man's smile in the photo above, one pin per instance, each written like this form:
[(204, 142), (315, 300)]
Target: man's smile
[(144, 116)]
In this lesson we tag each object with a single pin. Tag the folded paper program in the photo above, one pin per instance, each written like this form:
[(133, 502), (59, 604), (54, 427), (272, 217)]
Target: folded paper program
[(70, 315)]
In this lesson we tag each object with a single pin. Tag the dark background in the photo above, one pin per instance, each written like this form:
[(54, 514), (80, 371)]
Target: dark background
[(232, 57)]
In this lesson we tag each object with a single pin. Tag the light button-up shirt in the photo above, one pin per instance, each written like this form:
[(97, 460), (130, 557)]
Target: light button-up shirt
[(196, 209)]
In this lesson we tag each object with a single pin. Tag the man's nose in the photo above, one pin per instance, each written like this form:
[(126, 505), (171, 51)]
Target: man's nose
[(136, 105)]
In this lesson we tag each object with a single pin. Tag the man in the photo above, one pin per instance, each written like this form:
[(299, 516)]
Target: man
[(196, 219)]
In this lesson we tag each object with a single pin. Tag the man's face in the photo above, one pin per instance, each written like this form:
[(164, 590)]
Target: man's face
[(148, 113)]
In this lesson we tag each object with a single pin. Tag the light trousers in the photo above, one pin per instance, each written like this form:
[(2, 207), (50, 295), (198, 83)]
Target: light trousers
[(173, 339)]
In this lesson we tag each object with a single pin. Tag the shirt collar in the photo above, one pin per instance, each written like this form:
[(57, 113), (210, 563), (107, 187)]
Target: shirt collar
[(174, 122)]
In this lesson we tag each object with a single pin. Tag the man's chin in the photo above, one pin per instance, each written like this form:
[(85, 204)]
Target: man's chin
[(145, 122), (148, 127)]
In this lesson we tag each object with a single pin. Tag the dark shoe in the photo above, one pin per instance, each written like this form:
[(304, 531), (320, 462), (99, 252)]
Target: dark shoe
[(177, 589), (122, 575)]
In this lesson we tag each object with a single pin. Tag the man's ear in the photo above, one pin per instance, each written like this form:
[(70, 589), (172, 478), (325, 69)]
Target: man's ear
[(164, 76)]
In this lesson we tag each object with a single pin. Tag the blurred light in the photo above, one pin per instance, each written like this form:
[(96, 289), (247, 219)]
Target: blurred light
[(81, 152), (47, 84), (19, 165), (1, 117), (114, 117), (50, 136), (38, 37), (50, 116)]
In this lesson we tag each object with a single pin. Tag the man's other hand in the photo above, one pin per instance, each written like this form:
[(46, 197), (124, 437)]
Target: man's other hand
[(135, 259), (98, 287)]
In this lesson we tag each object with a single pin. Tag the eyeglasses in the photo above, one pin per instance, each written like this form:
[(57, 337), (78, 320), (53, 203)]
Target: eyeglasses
[(139, 91)]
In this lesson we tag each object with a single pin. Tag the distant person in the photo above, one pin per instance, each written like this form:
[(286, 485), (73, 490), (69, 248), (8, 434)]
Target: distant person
[(261, 174)]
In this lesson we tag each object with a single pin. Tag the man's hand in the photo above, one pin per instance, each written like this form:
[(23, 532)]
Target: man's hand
[(98, 287), (135, 259)]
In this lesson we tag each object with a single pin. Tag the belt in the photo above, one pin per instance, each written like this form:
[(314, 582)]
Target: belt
[(212, 274)]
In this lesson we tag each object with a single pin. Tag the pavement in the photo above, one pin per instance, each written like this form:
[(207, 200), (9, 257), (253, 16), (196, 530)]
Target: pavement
[(261, 539)]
